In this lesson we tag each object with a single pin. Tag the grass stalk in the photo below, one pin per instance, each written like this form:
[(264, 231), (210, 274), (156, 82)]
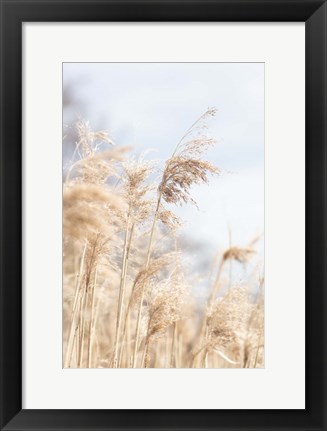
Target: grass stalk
[(73, 328), (148, 256), (121, 293), (90, 345)]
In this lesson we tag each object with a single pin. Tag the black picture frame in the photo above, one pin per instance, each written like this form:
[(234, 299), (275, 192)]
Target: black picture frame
[(16, 12)]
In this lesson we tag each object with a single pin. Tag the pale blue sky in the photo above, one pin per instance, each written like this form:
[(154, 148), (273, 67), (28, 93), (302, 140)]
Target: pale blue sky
[(151, 105)]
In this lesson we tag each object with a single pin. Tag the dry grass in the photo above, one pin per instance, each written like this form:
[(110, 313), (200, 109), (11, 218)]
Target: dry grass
[(127, 301)]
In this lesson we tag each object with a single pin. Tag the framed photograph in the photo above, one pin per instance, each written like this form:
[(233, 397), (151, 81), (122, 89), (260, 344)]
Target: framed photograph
[(163, 215)]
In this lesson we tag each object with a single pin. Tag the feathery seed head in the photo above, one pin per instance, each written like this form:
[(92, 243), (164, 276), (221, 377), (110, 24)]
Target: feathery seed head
[(242, 255), (185, 167)]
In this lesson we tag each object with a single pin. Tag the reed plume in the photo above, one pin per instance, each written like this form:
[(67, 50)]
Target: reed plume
[(129, 300), (183, 169)]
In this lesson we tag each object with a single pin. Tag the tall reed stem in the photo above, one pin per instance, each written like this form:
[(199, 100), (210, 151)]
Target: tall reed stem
[(203, 329), (85, 301), (216, 285), (173, 357), (73, 327), (129, 303), (148, 256), (91, 323), (121, 293)]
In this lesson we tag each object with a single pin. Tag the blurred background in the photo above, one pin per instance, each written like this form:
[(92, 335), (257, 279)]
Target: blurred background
[(149, 106)]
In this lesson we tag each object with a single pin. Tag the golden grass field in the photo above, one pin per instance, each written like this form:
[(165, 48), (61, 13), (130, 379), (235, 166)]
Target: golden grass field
[(127, 301)]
